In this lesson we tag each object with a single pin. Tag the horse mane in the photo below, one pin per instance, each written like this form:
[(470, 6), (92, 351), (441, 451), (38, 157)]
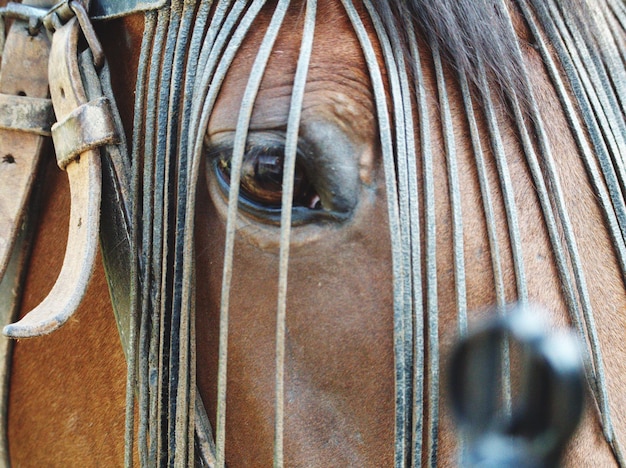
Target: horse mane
[(472, 33)]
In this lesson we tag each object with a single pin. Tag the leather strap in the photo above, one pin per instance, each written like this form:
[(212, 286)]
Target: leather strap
[(26, 114), (87, 127), (23, 73), (105, 9), (24, 107), (11, 288), (84, 175), (115, 205)]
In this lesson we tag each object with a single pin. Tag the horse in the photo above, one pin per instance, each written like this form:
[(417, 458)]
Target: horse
[(319, 198)]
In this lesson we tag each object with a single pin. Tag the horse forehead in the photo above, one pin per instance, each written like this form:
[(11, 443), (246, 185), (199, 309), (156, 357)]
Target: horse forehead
[(338, 86)]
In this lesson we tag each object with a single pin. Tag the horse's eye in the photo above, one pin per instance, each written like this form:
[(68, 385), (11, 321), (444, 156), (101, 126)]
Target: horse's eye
[(325, 187), (262, 179)]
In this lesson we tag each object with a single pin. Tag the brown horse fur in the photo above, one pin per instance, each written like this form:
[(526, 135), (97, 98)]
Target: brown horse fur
[(66, 403), (67, 389)]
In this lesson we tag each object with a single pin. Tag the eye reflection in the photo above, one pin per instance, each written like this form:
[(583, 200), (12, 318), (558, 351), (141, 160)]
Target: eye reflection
[(262, 178)]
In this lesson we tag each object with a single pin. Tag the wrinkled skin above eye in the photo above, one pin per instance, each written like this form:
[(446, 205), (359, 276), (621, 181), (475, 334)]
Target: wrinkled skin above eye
[(337, 134)]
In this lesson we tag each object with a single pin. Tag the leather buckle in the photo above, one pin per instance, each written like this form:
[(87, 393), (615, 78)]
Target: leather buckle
[(62, 12)]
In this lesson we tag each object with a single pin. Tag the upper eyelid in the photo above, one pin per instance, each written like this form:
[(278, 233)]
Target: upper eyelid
[(225, 140), (275, 141), (213, 152), (305, 157)]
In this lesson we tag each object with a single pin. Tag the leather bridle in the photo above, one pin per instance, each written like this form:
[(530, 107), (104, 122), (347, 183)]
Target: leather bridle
[(43, 67), (147, 242)]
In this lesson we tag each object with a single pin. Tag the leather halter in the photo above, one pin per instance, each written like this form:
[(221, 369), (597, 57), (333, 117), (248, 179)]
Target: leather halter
[(35, 67), (83, 125)]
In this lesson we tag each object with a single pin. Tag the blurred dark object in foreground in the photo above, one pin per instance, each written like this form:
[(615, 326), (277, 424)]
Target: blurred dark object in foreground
[(517, 390)]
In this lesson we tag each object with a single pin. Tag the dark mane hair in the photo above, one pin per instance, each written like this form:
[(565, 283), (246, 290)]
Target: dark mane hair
[(469, 32)]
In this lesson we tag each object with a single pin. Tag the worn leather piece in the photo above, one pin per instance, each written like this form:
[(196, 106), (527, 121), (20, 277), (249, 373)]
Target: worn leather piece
[(115, 205), (105, 9), (87, 127), (19, 151), (84, 175), (27, 114), (23, 88), (11, 290)]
